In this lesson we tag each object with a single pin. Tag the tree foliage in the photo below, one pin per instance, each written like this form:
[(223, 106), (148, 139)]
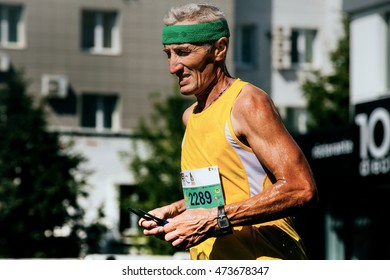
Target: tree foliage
[(40, 181), (328, 95), (158, 172)]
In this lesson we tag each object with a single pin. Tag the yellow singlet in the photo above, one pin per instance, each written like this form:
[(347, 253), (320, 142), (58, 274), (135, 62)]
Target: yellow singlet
[(209, 141)]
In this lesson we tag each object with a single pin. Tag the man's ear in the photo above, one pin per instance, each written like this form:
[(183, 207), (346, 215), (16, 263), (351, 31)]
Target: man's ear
[(221, 47)]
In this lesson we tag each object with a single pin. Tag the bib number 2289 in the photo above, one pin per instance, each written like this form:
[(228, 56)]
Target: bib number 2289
[(200, 198), (203, 197)]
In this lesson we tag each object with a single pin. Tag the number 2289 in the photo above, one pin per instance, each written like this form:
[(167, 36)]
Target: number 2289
[(200, 198)]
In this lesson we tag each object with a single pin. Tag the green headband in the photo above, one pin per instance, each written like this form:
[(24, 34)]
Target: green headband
[(195, 33)]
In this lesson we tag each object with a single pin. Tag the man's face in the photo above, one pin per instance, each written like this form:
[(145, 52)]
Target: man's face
[(193, 65)]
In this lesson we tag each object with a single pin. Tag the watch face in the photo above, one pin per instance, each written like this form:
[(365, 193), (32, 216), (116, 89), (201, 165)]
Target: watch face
[(223, 222)]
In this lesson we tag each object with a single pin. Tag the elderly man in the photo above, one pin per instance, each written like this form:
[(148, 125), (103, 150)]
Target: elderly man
[(243, 175)]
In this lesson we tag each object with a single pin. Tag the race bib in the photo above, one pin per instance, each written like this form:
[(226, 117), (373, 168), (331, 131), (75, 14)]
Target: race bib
[(202, 188)]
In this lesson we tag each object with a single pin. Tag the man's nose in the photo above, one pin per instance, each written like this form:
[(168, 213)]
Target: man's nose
[(175, 64)]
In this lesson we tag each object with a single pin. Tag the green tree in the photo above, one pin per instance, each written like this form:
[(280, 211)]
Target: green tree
[(328, 95), (40, 181), (157, 174)]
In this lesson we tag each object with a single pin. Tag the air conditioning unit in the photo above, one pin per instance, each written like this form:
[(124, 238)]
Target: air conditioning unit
[(54, 86), (281, 48)]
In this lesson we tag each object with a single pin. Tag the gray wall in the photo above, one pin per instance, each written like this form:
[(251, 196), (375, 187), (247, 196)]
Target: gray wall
[(53, 47)]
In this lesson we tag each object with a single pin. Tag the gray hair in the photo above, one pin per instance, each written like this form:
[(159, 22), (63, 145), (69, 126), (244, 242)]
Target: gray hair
[(199, 13)]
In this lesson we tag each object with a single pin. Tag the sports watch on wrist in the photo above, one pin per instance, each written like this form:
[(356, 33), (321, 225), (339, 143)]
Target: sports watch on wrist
[(223, 222)]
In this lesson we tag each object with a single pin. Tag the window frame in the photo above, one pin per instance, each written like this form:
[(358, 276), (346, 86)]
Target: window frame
[(104, 108), (19, 28), (99, 31), (253, 43), (128, 221), (302, 47)]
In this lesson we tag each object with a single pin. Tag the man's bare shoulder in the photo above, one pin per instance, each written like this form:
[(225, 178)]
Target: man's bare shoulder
[(187, 113), (252, 98), (252, 112)]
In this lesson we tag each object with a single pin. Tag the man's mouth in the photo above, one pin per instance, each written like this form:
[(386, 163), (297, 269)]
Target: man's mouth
[(183, 80)]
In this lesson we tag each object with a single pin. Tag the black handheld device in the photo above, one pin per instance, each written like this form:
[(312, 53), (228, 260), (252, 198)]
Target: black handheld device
[(149, 217)]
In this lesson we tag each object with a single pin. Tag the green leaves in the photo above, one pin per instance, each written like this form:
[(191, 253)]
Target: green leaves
[(158, 173), (38, 186)]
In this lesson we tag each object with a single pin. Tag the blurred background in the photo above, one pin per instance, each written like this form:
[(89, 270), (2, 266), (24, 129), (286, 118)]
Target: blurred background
[(90, 120)]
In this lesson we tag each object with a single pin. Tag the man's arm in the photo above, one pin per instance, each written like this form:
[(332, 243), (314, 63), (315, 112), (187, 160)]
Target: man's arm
[(257, 123)]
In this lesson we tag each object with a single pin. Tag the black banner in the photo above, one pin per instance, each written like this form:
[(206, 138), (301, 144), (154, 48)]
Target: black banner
[(360, 150)]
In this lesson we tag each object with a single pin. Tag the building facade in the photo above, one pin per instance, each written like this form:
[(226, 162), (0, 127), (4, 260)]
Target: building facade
[(352, 162), (290, 40), (370, 55)]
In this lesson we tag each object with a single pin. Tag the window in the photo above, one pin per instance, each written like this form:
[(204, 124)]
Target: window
[(11, 26), (246, 46), (296, 120), (100, 33), (302, 41), (98, 111), (128, 222)]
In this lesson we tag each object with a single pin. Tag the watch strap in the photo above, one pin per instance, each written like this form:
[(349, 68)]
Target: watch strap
[(223, 222)]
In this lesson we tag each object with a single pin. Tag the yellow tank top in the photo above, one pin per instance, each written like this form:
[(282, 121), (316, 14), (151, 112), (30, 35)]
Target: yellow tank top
[(209, 141)]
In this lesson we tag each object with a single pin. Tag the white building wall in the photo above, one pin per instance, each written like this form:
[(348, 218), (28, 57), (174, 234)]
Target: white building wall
[(325, 16), (108, 171), (368, 53)]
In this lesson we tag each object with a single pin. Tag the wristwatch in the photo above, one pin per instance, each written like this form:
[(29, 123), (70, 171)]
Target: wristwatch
[(223, 222)]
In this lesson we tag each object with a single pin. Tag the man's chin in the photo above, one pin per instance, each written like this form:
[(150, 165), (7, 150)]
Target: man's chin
[(185, 91)]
